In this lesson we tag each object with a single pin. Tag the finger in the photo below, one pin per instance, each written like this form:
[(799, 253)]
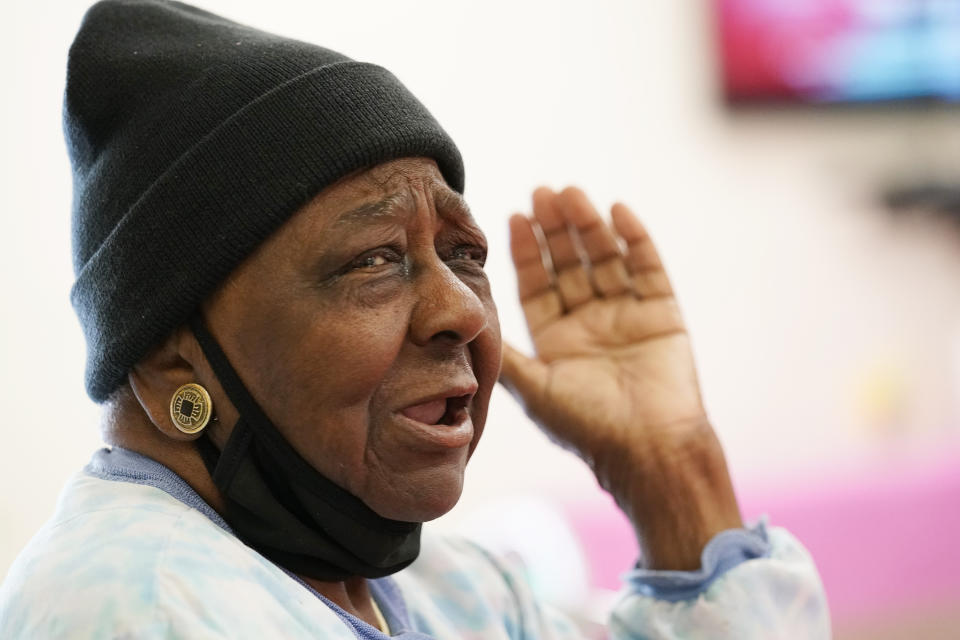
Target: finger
[(643, 262), (540, 301), (532, 276), (524, 377), (607, 268), (572, 279), (563, 252)]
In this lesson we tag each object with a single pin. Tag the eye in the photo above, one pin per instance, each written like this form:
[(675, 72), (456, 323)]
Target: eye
[(375, 259), (470, 252)]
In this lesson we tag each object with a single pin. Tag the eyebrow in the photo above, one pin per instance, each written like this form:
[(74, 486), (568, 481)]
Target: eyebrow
[(384, 208), (450, 204)]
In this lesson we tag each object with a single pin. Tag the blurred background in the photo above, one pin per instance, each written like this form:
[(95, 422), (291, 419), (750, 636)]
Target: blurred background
[(798, 164)]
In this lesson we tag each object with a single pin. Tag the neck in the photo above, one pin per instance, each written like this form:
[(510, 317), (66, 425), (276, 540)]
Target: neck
[(352, 595), (181, 457)]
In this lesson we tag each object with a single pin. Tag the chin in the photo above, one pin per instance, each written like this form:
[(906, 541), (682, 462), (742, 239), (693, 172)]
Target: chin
[(426, 499)]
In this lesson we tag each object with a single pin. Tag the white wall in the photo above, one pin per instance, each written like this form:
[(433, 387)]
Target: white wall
[(825, 331)]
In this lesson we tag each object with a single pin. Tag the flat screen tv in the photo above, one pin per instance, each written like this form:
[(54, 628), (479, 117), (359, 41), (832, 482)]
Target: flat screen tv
[(839, 51)]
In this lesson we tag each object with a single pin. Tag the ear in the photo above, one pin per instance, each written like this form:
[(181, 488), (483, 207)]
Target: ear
[(156, 377)]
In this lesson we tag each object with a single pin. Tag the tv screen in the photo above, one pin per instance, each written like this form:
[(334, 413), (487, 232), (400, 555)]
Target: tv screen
[(839, 51)]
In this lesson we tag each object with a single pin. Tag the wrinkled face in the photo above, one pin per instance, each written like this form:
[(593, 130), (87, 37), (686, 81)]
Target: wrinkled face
[(366, 331)]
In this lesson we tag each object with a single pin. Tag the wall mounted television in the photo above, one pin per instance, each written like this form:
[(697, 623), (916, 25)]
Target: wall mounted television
[(839, 51)]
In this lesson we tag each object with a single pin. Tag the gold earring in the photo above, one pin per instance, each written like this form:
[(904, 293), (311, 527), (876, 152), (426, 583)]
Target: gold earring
[(191, 408)]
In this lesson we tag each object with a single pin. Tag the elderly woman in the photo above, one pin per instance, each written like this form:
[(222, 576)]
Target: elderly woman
[(290, 329)]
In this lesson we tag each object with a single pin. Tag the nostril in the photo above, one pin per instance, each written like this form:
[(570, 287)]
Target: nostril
[(449, 335)]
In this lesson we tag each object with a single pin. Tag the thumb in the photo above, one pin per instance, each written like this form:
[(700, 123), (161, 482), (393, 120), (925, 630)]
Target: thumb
[(524, 377)]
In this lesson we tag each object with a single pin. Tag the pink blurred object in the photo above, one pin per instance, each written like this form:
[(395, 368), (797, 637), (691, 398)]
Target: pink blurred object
[(885, 536)]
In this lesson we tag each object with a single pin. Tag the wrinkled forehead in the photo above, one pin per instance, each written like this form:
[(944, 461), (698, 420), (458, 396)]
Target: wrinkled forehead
[(416, 176), (388, 188)]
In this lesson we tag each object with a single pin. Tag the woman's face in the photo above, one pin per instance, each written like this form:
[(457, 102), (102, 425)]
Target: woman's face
[(366, 331)]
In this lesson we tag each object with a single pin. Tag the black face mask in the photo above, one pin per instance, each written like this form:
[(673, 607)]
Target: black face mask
[(284, 508)]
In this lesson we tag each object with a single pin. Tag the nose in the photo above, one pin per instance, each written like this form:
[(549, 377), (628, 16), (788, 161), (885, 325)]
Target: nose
[(447, 310)]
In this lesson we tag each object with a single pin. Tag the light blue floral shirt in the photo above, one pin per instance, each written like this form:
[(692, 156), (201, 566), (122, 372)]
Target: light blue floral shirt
[(133, 552)]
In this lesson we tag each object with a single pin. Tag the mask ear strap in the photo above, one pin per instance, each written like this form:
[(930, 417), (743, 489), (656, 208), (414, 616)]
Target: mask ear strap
[(224, 371), (209, 453), (238, 395), (252, 416)]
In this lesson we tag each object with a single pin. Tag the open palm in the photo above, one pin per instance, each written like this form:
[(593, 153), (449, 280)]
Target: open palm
[(613, 366)]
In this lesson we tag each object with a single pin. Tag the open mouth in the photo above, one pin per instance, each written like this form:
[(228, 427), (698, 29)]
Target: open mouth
[(455, 410), (441, 423), (442, 411)]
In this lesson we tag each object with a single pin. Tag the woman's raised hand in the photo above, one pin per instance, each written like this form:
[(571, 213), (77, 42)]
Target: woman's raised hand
[(613, 376)]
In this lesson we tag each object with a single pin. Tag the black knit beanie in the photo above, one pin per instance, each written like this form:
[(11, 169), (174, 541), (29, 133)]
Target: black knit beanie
[(193, 138)]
